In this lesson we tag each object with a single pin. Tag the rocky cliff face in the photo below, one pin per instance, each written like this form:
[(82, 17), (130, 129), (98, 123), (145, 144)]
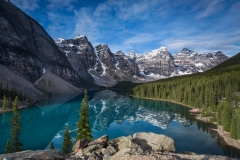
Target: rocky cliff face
[(188, 62), (158, 63), (79, 53), (27, 49), (99, 63)]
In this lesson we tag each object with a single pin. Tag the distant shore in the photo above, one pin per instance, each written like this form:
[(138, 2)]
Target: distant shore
[(22, 105), (225, 135)]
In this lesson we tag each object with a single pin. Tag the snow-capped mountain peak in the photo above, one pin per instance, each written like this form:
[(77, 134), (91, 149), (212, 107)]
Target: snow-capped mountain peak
[(186, 51), (104, 67), (78, 36), (120, 53), (59, 40), (163, 48)]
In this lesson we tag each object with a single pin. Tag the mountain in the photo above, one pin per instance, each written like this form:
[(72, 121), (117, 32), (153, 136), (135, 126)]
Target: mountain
[(27, 50), (156, 64), (188, 61), (105, 68), (98, 63), (160, 63)]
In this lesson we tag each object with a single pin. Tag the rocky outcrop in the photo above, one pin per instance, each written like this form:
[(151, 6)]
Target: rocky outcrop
[(99, 63), (53, 154), (188, 61), (139, 146), (158, 63), (139, 143), (80, 53)]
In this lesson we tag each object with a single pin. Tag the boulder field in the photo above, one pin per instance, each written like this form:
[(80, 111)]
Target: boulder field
[(139, 146)]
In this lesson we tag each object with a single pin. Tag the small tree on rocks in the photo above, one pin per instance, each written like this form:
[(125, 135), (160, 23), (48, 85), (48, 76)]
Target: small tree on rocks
[(83, 126), (67, 144), (8, 146), (51, 145)]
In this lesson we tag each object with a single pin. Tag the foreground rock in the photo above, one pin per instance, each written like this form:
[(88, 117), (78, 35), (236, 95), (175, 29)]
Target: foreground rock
[(139, 146), (41, 154)]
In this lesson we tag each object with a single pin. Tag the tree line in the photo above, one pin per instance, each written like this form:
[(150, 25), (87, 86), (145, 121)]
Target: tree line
[(9, 94), (216, 92)]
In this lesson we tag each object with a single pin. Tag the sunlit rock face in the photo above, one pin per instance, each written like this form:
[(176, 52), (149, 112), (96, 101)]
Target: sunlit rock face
[(157, 64), (97, 63), (108, 106), (188, 61), (160, 63)]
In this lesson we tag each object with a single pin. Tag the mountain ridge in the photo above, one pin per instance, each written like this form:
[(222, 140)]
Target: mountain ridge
[(157, 64)]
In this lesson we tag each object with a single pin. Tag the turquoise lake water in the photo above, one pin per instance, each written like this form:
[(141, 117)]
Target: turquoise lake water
[(116, 114)]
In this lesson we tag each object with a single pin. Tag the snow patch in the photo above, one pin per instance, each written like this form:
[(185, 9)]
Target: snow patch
[(66, 52), (103, 66), (181, 72), (78, 36), (199, 64), (92, 74), (158, 76), (142, 73), (116, 65)]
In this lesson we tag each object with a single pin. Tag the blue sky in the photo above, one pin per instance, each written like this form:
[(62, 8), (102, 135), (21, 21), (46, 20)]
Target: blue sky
[(143, 25)]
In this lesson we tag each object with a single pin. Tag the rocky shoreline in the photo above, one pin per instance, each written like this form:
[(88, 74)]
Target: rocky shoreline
[(223, 134), (139, 146)]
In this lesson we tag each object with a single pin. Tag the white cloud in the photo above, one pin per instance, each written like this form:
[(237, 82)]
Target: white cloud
[(208, 8), (59, 4), (140, 38), (235, 7), (30, 5), (206, 43), (86, 24)]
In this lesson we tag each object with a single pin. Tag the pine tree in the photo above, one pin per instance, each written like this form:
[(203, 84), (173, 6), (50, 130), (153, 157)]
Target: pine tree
[(51, 145), (8, 146), (233, 128), (67, 144), (16, 128), (83, 126), (4, 102)]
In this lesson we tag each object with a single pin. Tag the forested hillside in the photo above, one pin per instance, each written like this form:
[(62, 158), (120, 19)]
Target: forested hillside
[(216, 92)]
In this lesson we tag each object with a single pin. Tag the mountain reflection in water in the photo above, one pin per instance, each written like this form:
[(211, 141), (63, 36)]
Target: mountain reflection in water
[(108, 106)]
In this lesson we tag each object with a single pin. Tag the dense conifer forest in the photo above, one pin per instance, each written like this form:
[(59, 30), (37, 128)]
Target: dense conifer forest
[(8, 94), (216, 92)]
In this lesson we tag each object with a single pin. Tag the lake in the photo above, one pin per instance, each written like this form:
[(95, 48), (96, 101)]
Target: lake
[(116, 114)]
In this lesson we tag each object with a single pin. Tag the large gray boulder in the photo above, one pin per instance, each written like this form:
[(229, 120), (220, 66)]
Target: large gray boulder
[(154, 142), (39, 154), (80, 144)]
